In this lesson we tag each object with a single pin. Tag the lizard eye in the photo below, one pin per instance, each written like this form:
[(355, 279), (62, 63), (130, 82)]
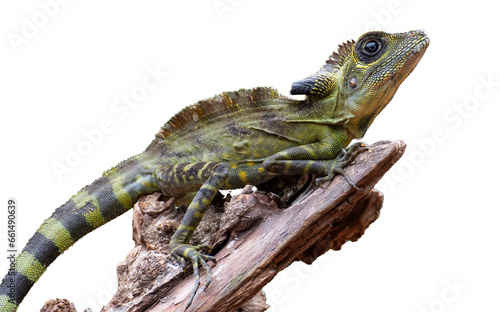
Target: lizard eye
[(370, 49)]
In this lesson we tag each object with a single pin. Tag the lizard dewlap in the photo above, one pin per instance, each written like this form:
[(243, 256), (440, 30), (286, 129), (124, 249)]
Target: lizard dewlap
[(231, 140)]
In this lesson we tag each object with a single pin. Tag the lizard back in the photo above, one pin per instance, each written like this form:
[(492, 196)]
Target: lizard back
[(218, 107)]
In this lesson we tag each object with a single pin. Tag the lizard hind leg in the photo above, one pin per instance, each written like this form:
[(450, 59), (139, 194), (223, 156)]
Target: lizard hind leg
[(180, 247)]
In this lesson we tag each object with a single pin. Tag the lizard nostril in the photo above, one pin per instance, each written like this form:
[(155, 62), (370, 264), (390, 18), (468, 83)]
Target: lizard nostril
[(416, 33)]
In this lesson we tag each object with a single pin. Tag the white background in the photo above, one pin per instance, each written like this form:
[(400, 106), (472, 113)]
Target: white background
[(435, 246)]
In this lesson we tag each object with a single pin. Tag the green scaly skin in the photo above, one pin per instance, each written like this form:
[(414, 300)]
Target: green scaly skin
[(229, 141)]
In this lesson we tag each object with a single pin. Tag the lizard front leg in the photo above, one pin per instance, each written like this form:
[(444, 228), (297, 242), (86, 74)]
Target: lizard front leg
[(325, 158), (180, 246), (345, 158)]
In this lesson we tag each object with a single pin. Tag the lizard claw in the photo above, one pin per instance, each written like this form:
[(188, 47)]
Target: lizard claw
[(193, 254), (345, 159)]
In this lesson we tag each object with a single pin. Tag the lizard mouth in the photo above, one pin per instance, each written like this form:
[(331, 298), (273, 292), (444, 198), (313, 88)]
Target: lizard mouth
[(419, 47), (419, 43)]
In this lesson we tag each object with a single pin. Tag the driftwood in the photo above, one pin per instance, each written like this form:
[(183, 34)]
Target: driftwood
[(254, 236)]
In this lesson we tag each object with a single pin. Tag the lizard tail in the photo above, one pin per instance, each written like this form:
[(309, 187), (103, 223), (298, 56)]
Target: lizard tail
[(112, 194)]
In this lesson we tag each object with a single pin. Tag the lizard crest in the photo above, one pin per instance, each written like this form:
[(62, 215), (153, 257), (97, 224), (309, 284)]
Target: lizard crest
[(219, 106)]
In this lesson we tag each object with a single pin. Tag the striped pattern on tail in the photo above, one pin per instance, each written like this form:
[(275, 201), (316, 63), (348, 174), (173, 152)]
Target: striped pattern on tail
[(103, 200)]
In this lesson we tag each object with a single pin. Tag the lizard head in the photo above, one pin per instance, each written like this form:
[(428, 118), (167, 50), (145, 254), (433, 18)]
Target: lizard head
[(363, 76), (379, 62)]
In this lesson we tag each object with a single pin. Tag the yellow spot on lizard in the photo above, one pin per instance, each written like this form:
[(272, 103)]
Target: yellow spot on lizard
[(94, 218), (27, 265), (243, 176), (9, 305), (55, 231), (121, 194), (82, 198)]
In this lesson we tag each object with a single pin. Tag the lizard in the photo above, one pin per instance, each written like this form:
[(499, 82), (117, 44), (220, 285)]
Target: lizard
[(232, 140)]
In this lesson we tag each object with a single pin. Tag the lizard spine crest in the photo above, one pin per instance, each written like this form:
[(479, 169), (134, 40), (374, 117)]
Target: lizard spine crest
[(194, 116), (338, 59)]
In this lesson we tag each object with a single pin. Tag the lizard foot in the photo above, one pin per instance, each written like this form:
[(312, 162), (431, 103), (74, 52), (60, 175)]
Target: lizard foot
[(192, 253), (344, 159)]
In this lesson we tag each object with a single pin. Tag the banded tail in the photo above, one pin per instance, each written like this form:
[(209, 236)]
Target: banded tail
[(115, 192)]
